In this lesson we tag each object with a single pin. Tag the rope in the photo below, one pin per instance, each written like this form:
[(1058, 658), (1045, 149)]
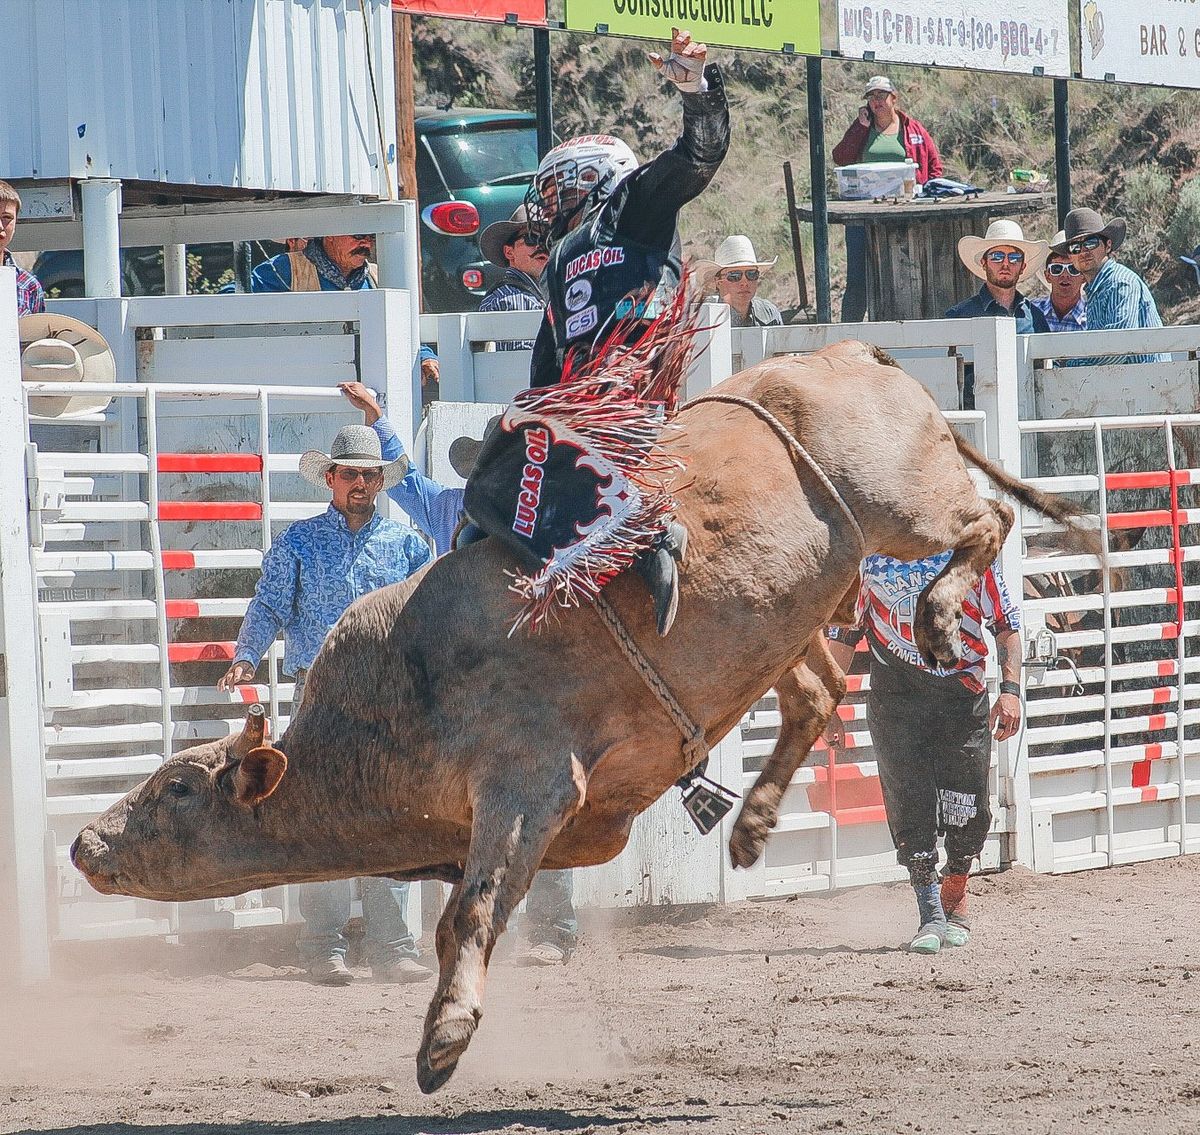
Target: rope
[(695, 747), (795, 448)]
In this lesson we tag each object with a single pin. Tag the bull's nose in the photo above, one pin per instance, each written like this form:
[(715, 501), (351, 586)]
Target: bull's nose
[(75, 848)]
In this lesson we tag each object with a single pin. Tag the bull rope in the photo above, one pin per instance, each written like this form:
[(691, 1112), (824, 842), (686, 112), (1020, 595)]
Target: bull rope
[(695, 744)]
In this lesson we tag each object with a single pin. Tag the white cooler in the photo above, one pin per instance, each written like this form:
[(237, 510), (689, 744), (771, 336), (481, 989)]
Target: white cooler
[(868, 180)]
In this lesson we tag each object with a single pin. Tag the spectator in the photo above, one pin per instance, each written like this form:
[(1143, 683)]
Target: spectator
[(931, 730), (1117, 298), (880, 133), (31, 300), (738, 271), (313, 571), (552, 927), (1002, 259), (1064, 308), (510, 245), (329, 264)]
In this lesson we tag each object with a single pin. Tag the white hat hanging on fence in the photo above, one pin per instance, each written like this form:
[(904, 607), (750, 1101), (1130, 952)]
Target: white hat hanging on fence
[(57, 348)]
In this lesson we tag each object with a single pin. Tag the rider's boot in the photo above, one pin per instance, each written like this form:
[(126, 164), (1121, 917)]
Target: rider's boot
[(660, 572)]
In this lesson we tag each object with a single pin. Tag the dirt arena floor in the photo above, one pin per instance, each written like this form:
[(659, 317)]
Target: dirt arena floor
[(1076, 1008)]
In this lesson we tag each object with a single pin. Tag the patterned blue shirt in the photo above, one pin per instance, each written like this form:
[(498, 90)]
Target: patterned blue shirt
[(31, 299), (1118, 299), (313, 571), (1074, 320), (518, 291), (432, 507)]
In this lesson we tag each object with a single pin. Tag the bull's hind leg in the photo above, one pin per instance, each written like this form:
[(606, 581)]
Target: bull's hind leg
[(939, 608), (509, 836), (808, 694)]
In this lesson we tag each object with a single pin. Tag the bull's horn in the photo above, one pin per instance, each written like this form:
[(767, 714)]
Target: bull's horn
[(252, 732)]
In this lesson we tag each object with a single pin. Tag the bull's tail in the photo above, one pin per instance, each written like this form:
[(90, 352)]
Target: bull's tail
[(1065, 512)]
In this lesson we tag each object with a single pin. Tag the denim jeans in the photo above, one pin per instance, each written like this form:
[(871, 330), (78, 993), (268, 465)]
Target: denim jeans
[(326, 910), (854, 302), (549, 911)]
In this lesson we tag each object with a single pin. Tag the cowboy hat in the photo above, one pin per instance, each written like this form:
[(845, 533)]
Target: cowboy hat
[(493, 239), (464, 450), (1082, 223), (57, 348), (738, 252), (972, 248), (356, 447)]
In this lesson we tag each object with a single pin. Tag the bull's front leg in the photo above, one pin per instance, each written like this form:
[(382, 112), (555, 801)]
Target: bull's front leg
[(509, 837), (808, 694), (939, 607)]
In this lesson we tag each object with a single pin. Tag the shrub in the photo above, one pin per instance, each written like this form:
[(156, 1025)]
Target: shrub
[(1183, 231)]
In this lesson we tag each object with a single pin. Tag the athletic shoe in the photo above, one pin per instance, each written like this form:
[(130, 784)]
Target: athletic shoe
[(929, 939)]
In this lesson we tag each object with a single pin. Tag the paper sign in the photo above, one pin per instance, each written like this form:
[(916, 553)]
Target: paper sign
[(1151, 41), (768, 25), (1000, 35), (495, 11)]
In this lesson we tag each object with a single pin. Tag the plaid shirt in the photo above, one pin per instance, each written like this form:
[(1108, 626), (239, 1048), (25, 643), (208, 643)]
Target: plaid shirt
[(1074, 320), (518, 291), (31, 300)]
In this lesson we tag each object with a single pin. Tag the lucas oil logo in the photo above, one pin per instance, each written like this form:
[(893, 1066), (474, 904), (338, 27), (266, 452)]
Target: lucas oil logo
[(591, 261), (529, 499)]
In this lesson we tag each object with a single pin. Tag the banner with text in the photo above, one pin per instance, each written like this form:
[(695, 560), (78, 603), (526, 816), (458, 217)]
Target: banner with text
[(1151, 41), (979, 35), (768, 25), (494, 11)]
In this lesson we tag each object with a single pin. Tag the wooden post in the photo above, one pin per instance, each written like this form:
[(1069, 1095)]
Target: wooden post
[(820, 206), (406, 135)]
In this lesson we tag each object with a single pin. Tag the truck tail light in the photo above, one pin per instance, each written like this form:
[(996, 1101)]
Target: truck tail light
[(452, 218), (472, 279)]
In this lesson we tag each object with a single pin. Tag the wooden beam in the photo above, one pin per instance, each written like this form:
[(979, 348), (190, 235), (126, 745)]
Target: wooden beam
[(406, 135)]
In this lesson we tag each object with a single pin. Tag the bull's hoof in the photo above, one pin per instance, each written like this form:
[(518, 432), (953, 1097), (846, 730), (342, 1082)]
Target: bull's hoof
[(937, 635), (750, 834), (442, 1050)]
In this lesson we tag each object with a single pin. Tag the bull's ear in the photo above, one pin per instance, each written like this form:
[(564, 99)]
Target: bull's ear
[(258, 775)]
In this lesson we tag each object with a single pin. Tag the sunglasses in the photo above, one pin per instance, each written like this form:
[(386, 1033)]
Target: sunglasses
[(349, 475), (527, 239), (735, 276), (1078, 246), (1060, 269), (998, 257)]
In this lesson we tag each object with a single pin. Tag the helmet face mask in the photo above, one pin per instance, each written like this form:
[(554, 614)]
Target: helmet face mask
[(571, 176)]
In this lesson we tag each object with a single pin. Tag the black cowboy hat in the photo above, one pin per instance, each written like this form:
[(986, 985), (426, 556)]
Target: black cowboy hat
[(464, 450), (1082, 223), (499, 233)]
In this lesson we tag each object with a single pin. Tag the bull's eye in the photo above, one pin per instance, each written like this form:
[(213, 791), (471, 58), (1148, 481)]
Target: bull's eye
[(179, 789)]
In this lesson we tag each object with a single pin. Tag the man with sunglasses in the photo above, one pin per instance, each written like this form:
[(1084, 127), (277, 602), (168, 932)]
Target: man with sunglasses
[(510, 245), (738, 272), (313, 571), (1002, 259), (1117, 298), (1064, 308)]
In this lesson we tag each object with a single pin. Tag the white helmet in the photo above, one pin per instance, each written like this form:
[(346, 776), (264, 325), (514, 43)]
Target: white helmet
[(579, 167)]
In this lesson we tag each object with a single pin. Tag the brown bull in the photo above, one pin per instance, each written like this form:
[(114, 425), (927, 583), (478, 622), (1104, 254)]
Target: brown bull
[(431, 744)]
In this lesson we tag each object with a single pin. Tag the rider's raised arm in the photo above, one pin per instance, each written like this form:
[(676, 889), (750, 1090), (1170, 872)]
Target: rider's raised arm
[(655, 193)]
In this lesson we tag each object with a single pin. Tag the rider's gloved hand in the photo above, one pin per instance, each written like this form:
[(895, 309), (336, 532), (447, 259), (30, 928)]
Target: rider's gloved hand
[(685, 65)]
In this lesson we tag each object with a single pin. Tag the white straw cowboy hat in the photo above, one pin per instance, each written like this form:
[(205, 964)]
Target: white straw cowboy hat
[(972, 248), (493, 239), (356, 447), (57, 348), (738, 252)]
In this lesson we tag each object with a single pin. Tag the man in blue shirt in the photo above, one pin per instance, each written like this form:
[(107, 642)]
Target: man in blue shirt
[(1117, 298), (436, 509), (511, 246), (1002, 259), (313, 571)]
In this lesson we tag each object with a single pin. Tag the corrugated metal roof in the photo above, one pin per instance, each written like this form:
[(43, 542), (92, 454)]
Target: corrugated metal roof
[(262, 94)]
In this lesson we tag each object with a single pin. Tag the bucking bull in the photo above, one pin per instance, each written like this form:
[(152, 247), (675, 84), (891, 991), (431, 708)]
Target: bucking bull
[(432, 744)]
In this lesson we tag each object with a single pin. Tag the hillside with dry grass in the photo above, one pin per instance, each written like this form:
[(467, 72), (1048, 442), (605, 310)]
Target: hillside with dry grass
[(1135, 150)]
